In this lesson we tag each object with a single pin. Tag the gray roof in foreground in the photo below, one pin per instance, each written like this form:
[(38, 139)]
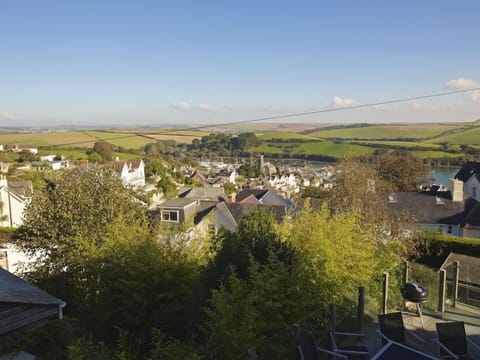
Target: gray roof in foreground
[(15, 290)]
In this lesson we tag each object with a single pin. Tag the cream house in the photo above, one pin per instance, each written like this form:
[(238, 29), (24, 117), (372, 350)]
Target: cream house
[(132, 172), (14, 197)]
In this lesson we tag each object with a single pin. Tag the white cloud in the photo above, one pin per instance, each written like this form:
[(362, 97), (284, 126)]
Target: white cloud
[(7, 116), (339, 102), (213, 109), (465, 84), (182, 106)]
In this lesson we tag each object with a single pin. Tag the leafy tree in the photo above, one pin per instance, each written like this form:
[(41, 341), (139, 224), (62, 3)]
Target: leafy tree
[(104, 149), (80, 205), (95, 157), (229, 188), (403, 171), (154, 167), (167, 186)]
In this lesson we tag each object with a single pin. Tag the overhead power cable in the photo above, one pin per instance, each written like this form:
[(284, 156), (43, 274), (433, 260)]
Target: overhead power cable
[(291, 115)]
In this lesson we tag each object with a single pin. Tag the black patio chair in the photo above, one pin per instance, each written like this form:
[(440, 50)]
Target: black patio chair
[(453, 340), (309, 350), (391, 328), (356, 351)]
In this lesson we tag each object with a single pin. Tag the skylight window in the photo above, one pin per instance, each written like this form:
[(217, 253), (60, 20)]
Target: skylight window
[(392, 198)]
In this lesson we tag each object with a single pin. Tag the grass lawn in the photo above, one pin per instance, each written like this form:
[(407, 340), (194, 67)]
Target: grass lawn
[(435, 154), (386, 131)]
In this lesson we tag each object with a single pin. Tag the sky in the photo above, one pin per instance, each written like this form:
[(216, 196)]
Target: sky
[(115, 62)]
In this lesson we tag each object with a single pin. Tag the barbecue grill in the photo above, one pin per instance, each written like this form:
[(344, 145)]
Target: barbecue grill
[(416, 294)]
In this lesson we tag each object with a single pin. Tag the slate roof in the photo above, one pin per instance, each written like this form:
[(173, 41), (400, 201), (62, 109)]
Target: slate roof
[(266, 196), (203, 193), (240, 210), (134, 163), (435, 207), (177, 203), (23, 305), (468, 170), (258, 193), (20, 188), (15, 290)]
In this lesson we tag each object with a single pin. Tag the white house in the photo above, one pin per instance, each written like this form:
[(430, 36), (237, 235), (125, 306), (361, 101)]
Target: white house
[(15, 196), (470, 175), (24, 147), (132, 172)]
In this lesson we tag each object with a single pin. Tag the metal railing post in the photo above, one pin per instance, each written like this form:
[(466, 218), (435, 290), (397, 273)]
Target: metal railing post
[(456, 273), (405, 272), (361, 307), (442, 291), (385, 292)]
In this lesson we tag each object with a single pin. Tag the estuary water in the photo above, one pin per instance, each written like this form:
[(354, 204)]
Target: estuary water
[(441, 175)]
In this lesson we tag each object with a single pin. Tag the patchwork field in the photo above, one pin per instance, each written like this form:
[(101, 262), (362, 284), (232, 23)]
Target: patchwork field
[(48, 138), (326, 148), (334, 149), (386, 131), (126, 140), (284, 135), (399, 144)]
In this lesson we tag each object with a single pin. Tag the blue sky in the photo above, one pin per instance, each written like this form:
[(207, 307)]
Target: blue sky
[(200, 61)]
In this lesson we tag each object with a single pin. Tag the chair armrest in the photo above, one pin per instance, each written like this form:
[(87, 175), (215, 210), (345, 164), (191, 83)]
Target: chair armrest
[(474, 344), (328, 352), (416, 336), (436, 341)]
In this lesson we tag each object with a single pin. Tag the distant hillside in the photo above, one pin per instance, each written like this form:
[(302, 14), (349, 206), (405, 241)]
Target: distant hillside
[(384, 132)]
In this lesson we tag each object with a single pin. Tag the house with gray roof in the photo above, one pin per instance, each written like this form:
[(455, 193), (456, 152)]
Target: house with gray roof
[(24, 306), (450, 212), (211, 214), (14, 197)]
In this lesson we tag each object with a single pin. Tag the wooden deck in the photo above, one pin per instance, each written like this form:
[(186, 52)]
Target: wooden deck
[(470, 316)]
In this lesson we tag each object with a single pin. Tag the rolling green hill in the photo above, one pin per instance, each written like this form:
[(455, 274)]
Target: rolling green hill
[(468, 136), (393, 132)]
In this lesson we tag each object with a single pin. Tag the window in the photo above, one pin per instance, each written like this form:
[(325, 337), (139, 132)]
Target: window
[(169, 216), (474, 192), (449, 229)]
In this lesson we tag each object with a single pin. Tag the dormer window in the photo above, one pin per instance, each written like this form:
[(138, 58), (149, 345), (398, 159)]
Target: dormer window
[(169, 216)]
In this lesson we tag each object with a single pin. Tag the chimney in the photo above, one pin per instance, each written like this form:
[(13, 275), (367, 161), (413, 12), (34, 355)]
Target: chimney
[(117, 158), (233, 197), (456, 188)]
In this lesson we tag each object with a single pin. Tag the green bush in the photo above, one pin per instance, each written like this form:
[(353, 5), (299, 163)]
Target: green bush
[(434, 248)]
